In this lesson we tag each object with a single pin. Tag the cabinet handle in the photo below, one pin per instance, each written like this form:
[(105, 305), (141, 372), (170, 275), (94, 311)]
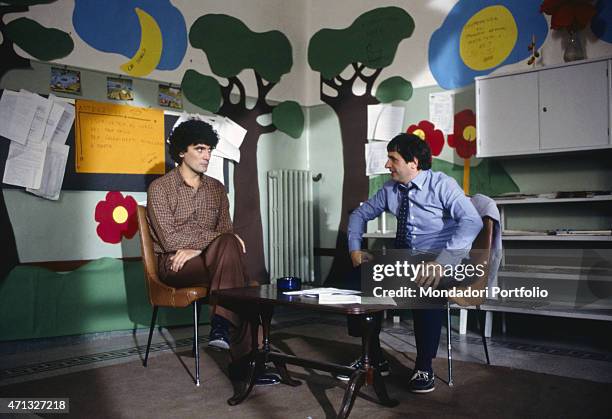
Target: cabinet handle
[(544, 109)]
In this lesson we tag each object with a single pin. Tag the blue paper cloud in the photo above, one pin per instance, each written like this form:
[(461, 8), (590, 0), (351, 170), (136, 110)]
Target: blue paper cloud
[(113, 26), (445, 61), (600, 25)]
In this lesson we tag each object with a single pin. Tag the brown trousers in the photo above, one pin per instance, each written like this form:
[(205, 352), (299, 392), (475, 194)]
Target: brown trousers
[(220, 266)]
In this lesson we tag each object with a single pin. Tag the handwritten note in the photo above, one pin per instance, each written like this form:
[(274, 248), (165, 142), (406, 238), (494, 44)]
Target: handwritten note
[(120, 139), (488, 37)]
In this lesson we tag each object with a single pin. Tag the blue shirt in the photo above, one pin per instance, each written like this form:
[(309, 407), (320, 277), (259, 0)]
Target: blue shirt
[(441, 218)]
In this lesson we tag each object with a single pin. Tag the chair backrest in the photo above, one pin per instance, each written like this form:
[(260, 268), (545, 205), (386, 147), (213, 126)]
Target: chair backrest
[(149, 259), (479, 255), (161, 294)]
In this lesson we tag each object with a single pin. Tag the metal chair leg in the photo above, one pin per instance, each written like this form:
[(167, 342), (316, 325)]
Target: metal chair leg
[(481, 324), (449, 347), (193, 346), (195, 340), (144, 363)]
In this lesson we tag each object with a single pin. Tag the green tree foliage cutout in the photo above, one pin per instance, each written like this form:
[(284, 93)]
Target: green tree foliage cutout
[(41, 43), (365, 48), (231, 48)]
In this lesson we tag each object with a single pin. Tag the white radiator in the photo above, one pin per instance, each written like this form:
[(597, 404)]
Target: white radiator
[(290, 228)]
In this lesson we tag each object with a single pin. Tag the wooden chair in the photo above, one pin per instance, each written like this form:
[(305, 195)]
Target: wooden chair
[(480, 254), (162, 295)]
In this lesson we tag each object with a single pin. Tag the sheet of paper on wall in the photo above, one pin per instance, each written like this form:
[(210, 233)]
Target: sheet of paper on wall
[(53, 172), (232, 132), (385, 121), (55, 114), (215, 167), (376, 158), (24, 164), (39, 122), (442, 111), (64, 125), (16, 114)]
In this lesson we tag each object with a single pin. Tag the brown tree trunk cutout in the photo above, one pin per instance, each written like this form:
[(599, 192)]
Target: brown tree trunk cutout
[(247, 210), (352, 112)]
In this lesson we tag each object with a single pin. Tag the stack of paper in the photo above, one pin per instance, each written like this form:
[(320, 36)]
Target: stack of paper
[(37, 128), (330, 295)]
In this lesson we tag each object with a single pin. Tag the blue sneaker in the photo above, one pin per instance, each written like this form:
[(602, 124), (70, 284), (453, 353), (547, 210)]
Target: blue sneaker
[(219, 333), (422, 382)]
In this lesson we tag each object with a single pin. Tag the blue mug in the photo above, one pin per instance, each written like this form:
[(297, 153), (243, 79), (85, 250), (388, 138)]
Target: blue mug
[(288, 283)]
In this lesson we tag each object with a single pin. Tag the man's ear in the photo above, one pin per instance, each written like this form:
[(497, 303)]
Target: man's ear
[(416, 162)]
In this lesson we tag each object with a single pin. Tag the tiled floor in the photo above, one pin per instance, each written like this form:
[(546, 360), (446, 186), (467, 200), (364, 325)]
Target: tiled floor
[(553, 346)]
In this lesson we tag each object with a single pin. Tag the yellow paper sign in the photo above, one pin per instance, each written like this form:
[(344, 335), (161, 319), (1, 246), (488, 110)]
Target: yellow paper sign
[(119, 139)]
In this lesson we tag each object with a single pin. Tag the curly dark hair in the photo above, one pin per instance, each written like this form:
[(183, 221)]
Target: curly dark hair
[(410, 146), (188, 133)]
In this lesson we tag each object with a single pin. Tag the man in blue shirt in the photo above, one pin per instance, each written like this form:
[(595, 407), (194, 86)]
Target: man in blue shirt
[(433, 215)]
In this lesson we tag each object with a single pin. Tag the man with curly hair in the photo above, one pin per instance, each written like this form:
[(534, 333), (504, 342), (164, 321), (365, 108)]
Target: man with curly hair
[(194, 240)]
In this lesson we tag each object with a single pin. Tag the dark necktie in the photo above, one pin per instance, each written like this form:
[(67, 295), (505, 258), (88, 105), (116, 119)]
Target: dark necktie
[(401, 236)]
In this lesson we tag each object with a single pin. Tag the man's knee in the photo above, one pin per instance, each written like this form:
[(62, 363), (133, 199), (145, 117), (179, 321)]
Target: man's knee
[(228, 240)]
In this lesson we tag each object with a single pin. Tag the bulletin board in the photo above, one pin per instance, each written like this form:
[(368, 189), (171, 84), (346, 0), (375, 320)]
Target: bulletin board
[(84, 181)]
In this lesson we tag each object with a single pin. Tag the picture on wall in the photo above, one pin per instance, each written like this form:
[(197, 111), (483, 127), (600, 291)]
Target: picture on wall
[(171, 97), (65, 81), (119, 89)]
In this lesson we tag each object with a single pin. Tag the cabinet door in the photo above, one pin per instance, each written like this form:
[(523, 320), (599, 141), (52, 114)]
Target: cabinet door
[(574, 106), (507, 115)]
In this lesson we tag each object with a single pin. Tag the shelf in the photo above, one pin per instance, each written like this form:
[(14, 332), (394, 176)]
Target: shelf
[(559, 237), (546, 309), (538, 200), (543, 237), (377, 235), (537, 272)]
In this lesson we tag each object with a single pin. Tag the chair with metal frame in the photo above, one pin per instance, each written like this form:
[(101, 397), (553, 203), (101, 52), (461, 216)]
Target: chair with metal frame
[(480, 254), (162, 295)]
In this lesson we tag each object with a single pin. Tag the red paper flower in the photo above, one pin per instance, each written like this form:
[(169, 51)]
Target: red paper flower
[(568, 14), (117, 217), (463, 138), (428, 132)]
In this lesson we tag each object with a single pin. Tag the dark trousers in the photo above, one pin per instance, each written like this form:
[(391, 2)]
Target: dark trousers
[(220, 266), (427, 328)]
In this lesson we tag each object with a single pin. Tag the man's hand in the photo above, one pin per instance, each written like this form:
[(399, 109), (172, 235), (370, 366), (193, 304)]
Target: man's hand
[(358, 257), (181, 257), (241, 242), (430, 276)]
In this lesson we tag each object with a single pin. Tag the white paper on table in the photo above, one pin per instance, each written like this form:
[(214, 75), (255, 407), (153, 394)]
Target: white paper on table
[(53, 172), (385, 121), (376, 158), (16, 114), (39, 122), (215, 167), (442, 111), (24, 165), (320, 291)]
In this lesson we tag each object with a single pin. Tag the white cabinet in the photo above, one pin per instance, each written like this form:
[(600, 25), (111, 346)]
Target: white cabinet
[(553, 109), (507, 111)]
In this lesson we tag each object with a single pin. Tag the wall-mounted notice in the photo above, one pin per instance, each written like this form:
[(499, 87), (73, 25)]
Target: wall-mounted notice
[(118, 139)]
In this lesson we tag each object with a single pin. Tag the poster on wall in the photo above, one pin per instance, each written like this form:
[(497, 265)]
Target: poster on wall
[(119, 139), (65, 81), (119, 89), (171, 97)]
